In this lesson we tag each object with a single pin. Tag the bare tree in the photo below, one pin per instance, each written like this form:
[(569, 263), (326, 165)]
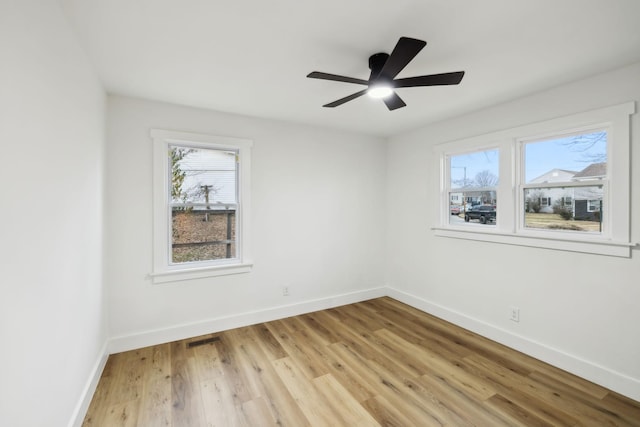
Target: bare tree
[(585, 142), (485, 179)]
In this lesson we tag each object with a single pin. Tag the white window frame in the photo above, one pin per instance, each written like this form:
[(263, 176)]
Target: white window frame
[(165, 271), (509, 228)]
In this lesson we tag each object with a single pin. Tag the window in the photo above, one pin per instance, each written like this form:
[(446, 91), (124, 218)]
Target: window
[(472, 179), (562, 184), (568, 166), (203, 201), (594, 205), (201, 198)]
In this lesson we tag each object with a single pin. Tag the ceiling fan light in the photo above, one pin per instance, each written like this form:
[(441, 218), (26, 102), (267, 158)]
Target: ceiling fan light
[(379, 91)]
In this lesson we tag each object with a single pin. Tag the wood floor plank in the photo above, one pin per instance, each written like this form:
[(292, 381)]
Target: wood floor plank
[(343, 372), (569, 384), (208, 360), (516, 413), (342, 402), (625, 408), (431, 362), (460, 403), (187, 405), (233, 371), (377, 362), (588, 414), (362, 342), (394, 388), (219, 404), (304, 354), (262, 379), (257, 413), (386, 413), (313, 405), (270, 345), (122, 414), (155, 404)]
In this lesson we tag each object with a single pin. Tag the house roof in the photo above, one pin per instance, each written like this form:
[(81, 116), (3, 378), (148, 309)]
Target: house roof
[(594, 170), (251, 57), (554, 175)]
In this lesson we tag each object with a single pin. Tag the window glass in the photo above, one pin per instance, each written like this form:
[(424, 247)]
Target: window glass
[(203, 201), (570, 164), (569, 209), (473, 181), (566, 158)]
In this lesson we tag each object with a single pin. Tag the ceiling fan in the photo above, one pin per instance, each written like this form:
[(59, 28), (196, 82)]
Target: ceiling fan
[(384, 69)]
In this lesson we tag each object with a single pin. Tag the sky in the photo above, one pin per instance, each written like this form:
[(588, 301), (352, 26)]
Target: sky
[(572, 153)]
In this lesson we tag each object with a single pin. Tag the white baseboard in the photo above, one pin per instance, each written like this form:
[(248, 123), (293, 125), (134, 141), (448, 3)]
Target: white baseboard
[(82, 407), (188, 330), (601, 375)]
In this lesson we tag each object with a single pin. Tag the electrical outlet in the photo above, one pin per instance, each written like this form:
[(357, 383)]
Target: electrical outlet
[(514, 314), (285, 291)]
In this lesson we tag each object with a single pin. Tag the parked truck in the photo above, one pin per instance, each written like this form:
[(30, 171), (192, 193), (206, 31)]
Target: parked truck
[(483, 213)]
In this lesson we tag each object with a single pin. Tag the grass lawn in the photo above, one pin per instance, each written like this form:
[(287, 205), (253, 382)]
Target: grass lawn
[(555, 222)]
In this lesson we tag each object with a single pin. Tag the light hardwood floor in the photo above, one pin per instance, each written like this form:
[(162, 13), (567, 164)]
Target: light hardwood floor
[(378, 362)]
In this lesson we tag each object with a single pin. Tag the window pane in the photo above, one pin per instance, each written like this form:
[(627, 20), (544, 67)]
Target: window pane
[(203, 204), (200, 175), (577, 157), (472, 197), (199, 234), (474, 170), (567, 208)]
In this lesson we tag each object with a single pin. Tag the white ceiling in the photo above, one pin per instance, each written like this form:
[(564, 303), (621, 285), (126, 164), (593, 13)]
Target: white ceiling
[(251, 57)]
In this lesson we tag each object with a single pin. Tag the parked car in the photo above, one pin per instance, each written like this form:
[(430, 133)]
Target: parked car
[(455, 210), (483, 213)]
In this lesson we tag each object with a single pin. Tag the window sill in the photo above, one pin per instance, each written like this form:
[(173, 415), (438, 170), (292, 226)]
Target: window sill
[(591, 246), (200, 273)]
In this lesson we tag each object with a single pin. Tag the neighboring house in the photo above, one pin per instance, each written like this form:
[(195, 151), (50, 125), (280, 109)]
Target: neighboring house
[(588, 200), (470, 198), (547, 196), (209, 177), (584, 202)]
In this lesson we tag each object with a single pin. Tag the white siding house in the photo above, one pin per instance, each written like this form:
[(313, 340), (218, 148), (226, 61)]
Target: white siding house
[(584, 202)]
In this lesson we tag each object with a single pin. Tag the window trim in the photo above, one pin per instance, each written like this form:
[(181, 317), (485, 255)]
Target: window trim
[(616, 242), (163, 270)]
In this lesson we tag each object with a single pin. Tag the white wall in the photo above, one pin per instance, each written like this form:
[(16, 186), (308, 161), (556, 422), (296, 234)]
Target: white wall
[(318, 217), (579, 311), (52, 315)]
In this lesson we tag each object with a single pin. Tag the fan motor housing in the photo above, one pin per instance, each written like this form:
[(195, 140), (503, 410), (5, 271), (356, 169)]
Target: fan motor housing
[(377, 61)]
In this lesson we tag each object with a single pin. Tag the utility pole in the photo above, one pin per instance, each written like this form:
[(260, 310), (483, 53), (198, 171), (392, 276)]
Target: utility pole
[(206, 189)]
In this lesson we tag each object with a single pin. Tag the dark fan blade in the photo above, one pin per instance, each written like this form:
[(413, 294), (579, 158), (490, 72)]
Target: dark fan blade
[(393, 101), (402, 54), (345, 99), (432, 80), (335, 77)]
